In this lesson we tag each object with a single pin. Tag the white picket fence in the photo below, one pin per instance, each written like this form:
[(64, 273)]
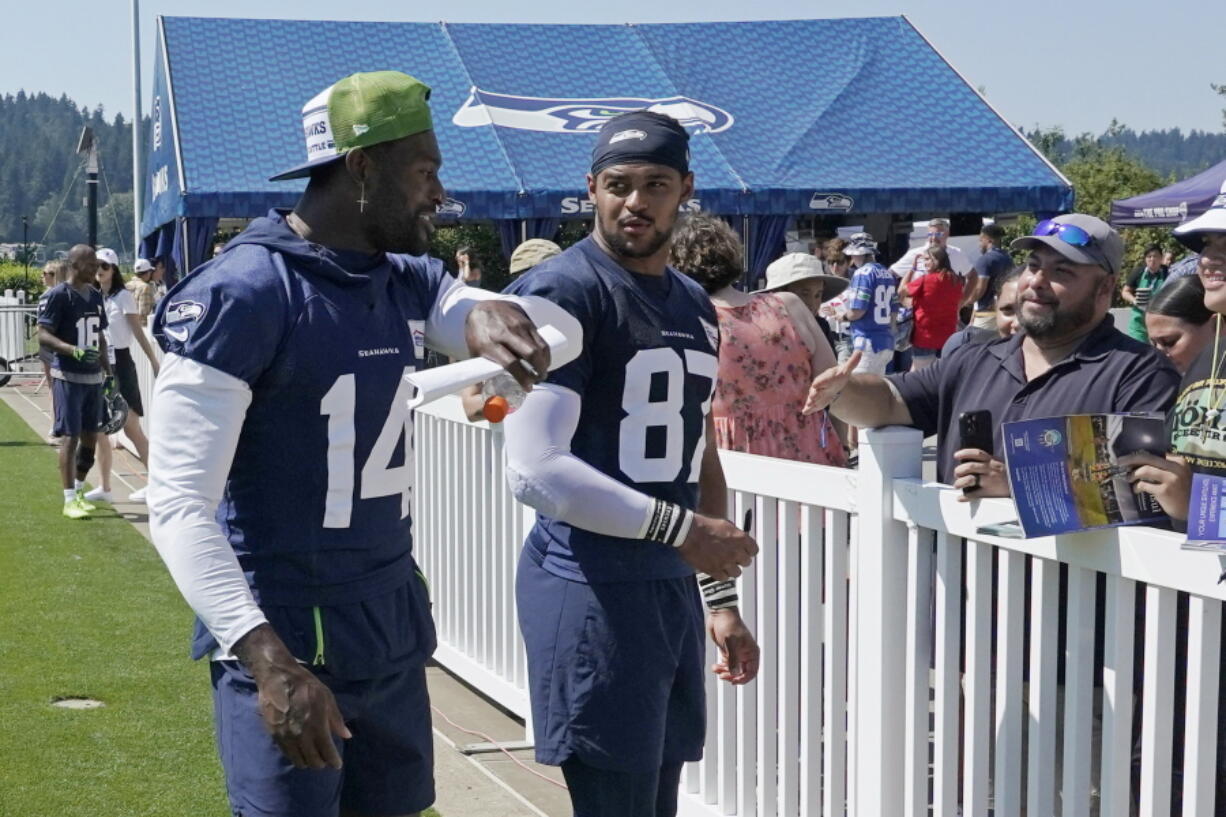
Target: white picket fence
[(862, 706), (16, 325)]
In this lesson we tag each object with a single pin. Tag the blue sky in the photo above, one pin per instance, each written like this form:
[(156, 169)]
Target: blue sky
[(1073, 63)]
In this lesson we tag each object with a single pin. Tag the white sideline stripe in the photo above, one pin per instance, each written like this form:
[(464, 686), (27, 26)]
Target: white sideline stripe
[(502, 783)]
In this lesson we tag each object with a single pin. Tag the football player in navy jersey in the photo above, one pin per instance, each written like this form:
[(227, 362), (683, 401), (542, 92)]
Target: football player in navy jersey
[(616, 452), (281, 461), (70, 325)]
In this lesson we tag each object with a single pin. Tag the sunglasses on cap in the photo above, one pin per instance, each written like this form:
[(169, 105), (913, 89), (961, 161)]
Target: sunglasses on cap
[(1068, 233)]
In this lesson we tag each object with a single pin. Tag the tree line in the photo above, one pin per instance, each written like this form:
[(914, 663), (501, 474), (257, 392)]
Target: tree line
[(41, 176)]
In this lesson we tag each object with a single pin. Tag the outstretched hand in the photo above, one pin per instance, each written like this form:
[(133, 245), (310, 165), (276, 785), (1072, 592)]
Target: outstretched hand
[(826, 386)]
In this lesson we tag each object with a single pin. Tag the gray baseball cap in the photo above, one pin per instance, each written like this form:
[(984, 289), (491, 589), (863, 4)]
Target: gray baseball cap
[(1104, 248)]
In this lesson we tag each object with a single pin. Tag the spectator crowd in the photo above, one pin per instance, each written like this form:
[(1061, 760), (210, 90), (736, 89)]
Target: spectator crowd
[(833, 342)]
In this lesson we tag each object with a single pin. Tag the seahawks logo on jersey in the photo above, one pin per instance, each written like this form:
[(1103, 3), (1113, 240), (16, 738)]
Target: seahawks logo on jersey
[(184, 311)]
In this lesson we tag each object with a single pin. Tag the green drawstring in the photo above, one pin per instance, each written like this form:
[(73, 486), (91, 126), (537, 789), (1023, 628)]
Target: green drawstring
[(425, 582), (319, 639)]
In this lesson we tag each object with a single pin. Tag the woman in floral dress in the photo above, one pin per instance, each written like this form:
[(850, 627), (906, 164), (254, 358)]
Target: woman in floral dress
[(770, 349)]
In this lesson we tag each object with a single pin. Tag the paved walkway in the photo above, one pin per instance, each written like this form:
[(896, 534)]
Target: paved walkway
[(493, 784)]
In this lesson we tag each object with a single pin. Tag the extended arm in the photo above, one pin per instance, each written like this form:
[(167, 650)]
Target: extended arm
[(466, 321), (544, 474), (864, 400)]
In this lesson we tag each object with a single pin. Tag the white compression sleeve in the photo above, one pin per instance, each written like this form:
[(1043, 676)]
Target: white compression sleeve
[(543, 474), (445, 323), (196, 415)]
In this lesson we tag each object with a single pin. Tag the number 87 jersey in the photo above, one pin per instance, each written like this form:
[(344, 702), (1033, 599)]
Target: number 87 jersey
[(645, 377)]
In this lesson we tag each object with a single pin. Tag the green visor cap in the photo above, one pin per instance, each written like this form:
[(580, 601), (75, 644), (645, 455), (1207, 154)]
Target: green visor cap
[(359, 111)]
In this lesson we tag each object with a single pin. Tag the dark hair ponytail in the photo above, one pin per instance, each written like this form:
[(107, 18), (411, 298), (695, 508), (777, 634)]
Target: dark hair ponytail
[(1182, 298)]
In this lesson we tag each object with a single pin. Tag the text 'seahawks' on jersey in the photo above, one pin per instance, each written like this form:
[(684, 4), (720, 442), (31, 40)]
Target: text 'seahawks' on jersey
[(646, 377), (317, 501)]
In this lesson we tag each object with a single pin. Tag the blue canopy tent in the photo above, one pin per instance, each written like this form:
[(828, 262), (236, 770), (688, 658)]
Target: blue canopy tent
[(880, 124), (1171, 204)]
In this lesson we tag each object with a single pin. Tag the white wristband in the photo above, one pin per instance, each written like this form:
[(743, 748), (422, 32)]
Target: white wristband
[(668, 523)]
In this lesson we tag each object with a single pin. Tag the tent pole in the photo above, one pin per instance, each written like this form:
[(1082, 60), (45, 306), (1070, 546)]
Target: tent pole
[(138, 188), (745, 227)]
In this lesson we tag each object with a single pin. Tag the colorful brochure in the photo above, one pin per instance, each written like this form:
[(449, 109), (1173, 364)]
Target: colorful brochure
[(1065, 476), (1207, 514)]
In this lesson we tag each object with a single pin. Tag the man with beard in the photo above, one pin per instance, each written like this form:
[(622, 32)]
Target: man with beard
[(616, 452), (281, 461), (1068, 358)]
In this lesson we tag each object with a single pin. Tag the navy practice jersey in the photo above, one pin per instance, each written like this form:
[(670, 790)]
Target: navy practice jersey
[(646, 376), (77, 319), (317, 501)]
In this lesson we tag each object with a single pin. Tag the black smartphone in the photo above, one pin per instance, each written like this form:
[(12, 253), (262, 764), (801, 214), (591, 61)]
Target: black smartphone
[(975, 430)]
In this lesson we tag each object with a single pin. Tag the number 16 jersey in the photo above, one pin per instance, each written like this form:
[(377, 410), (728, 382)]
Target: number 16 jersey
[(646, 376)]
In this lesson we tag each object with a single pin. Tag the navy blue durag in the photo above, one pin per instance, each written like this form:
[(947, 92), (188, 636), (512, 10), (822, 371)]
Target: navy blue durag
[(642, 137)]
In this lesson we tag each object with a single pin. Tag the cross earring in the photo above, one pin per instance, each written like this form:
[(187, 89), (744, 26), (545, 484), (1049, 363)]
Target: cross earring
[(362, 199)]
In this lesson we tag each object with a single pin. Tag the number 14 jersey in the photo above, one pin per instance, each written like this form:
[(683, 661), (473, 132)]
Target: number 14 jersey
[(646, 376)]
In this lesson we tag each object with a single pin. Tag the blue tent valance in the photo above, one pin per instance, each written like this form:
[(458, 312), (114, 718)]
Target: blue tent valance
[(776, 130)]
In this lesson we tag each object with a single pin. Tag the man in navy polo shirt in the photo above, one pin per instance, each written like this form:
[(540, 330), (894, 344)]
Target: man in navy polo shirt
[(1068, 359)]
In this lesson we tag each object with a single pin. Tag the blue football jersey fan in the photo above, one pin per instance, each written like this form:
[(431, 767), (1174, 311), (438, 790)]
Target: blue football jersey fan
[(874, 289), (645, 377)]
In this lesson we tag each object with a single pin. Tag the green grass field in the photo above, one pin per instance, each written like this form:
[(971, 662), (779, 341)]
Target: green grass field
[(87, 609)]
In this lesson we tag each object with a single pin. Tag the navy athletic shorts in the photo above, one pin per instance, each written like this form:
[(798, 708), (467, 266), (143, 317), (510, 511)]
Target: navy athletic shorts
[(78, 407), (615, 670), (388, 763)]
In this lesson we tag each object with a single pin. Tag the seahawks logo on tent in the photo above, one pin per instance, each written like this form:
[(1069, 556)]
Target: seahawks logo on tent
[(451, 208), (831, 201), (569, 115)]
